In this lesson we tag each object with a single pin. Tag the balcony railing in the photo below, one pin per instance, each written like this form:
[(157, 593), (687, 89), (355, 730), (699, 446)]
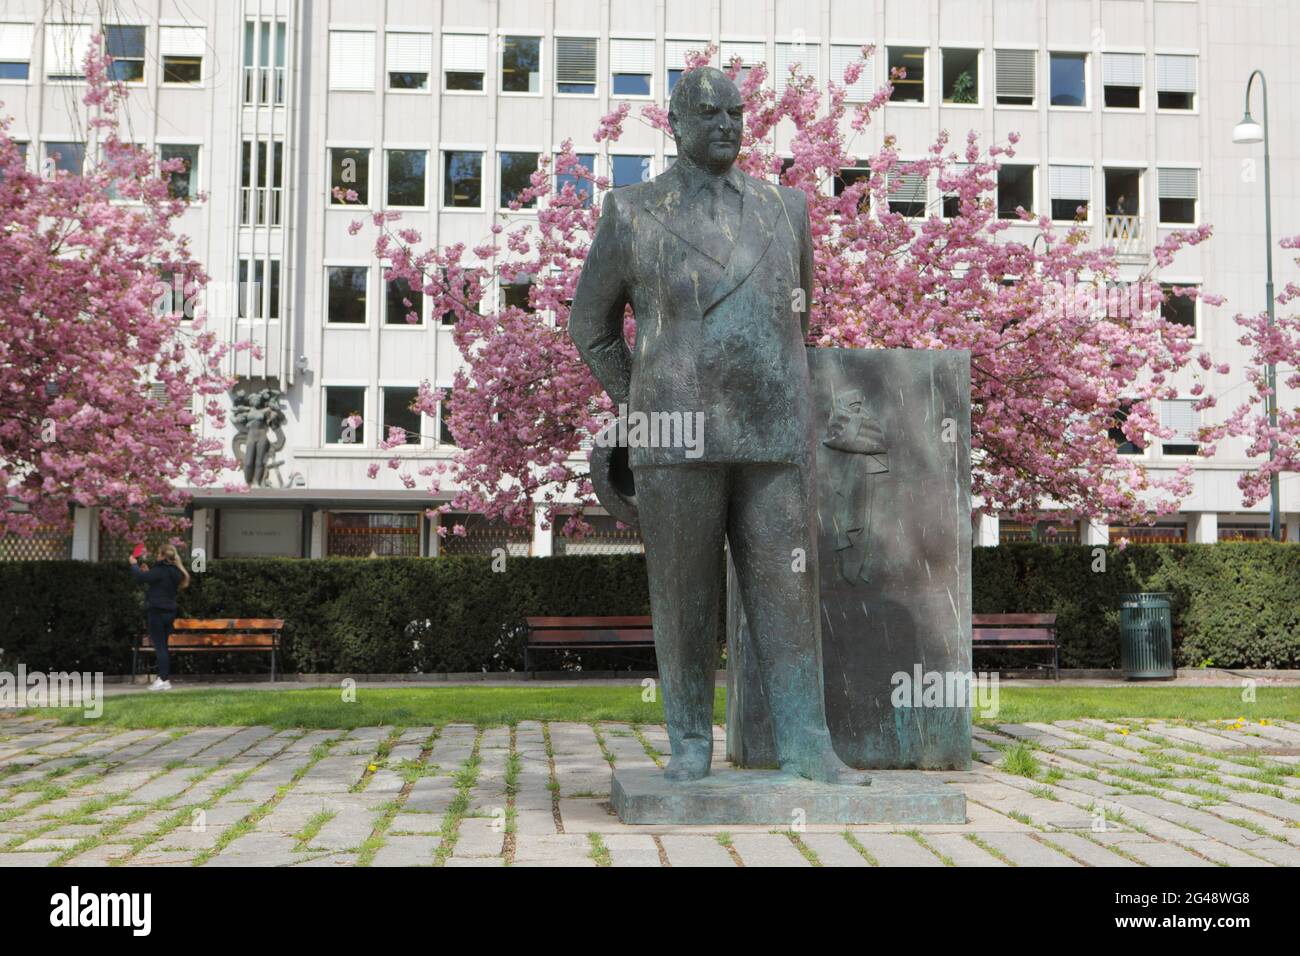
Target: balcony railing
[(1125, 232), (259, 206), (263, 86)]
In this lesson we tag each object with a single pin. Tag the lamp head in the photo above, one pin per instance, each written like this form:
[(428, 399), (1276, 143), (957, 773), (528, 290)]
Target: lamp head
[(1247, 132)]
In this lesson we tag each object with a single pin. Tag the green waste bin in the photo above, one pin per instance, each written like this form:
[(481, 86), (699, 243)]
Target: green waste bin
[(1146, 637)]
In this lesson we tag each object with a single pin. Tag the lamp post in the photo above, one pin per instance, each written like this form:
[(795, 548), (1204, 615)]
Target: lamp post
[(1248, 133)]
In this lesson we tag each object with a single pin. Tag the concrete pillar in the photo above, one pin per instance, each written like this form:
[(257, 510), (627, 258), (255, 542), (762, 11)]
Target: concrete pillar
[(83, 534), (1094, 531), (986, 531), (1202, 527), (317, 534), (543, 538), (199, 534), (1291, 522)]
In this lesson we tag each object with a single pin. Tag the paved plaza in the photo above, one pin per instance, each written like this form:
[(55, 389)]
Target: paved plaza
[(1097, 793)]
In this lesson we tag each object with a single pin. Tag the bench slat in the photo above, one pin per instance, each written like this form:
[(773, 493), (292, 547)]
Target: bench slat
[(228, 624), (219, 640), (990, 635), (587, 637), (996, 620), (583, 623)]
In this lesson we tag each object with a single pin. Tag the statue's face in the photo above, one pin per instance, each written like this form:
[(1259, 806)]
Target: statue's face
[(708, 124)]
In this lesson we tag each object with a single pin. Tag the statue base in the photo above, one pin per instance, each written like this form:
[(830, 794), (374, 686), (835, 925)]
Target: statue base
[(768, 797)]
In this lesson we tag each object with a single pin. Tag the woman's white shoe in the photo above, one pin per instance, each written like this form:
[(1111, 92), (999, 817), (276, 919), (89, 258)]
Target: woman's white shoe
[(161, 684)]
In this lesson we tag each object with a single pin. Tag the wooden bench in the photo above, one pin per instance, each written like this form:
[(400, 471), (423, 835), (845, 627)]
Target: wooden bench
[(1017, 632), (586, 633), (224, 636)]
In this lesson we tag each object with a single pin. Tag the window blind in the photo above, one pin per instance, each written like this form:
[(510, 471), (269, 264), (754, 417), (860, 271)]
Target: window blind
[(575, 60), (841, 57), (352, 60), (675, 52), (409, 52), (750, 53), (910, 187), (66, 46), (1181, 416), (1178, 183), (805, 54), (631, 56), (1122, 69), (1175, 74), (1071, 182), (1016, 72), (464, 52), (16, 42)]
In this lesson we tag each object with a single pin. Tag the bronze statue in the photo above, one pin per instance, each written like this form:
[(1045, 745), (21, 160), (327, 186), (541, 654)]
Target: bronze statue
[(718, 269), (257, 416)]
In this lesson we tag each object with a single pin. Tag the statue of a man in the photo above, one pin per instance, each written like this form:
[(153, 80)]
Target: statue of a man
[(718, 269)]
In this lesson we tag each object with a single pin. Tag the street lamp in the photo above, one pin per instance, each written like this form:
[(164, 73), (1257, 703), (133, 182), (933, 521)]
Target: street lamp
[(1248, 133)]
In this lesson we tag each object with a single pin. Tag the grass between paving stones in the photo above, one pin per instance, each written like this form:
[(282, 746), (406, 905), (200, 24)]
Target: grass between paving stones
[(803, 848), (1019, 759), (917, 837), (862, 850), (989, 848), (323, 708), (465, 778), (651, 751), (599, 852)]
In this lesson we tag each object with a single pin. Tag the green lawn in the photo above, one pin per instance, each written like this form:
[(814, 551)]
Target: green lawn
[(492, 706)]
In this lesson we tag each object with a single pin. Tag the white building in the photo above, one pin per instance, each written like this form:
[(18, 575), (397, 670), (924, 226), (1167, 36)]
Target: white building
[(1127, 105)]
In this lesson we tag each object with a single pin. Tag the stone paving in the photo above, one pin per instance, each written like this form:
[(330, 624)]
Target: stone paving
[(1072, 793)]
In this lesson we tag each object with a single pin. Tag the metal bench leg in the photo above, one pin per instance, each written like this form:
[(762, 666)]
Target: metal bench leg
[(135, 663), (527, 661), (1056, 662), (273, 665)]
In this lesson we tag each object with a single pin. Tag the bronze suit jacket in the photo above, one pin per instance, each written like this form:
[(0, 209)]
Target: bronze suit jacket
[(718, 338)]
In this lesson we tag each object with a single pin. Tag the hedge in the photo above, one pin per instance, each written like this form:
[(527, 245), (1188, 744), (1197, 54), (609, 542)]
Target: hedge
[(1235, 605)]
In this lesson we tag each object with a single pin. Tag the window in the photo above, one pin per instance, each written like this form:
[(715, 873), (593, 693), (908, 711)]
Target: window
[(464, 61), (749, 53), (350, 171), (849, 176), (181, 49), (178, 293), (261, 182), (961, 77), (65, 157), (1122, 443), (1178, 194), (1069, 79), (125, 47), (951, 201), (345, 410), (629, 170), (521, 65), (675, 52), (907, 194), (514, 295), (804, 55), (575, 65), (372, 535), (407, 177), (66, 46), (16, 50), (347, 295), (1121, 79), (1015, 190), (1181, 416), (1179, 309), (399, 414), (264, 62), (182, 183), (1175, 82), (462, 186), (841, 56), (910, 89), (352, 60), (400, 302), (1017, 77), (1071, 188), (631, 65), (259, 289), (516, 170), (580, 180), (445, 437), (408, 60)]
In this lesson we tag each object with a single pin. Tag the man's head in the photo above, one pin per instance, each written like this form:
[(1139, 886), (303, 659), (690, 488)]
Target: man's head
[(707, 115)]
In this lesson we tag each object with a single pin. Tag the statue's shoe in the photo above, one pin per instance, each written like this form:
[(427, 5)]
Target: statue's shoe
[(826, 767), (691, 761)]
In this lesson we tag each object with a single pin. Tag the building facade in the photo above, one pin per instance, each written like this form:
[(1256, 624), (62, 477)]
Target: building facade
[(440, 108)]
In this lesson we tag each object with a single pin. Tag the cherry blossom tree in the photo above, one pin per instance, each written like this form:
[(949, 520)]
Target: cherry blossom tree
[(1063, 349), (97, 376)]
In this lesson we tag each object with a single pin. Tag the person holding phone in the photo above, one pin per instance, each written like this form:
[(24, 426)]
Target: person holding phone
[(165, 580)]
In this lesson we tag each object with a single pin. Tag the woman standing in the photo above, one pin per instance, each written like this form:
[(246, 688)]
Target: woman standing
[(165, 579)]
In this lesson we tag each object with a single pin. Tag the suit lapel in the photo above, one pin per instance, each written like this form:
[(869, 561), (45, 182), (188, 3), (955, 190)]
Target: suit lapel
[(665, 205), (757, 228)]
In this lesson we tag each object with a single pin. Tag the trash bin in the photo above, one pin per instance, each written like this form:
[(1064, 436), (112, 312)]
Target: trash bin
[(1146, 637)]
